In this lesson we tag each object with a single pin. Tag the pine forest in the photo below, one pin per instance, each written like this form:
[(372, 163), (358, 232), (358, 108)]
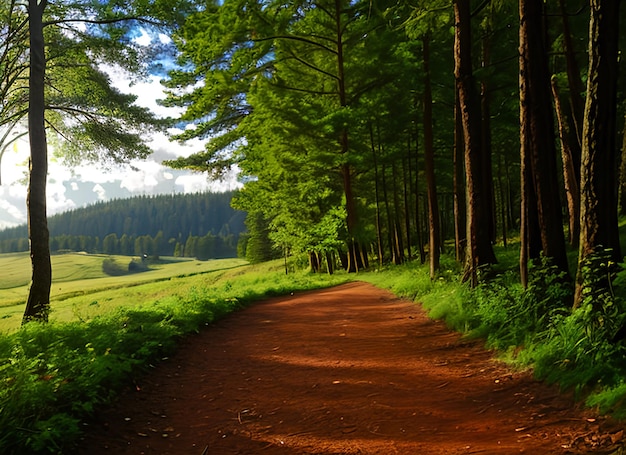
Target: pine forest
[(199, 225)]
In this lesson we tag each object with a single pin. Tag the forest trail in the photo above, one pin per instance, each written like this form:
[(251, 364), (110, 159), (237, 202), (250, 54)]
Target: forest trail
[(346, 370)]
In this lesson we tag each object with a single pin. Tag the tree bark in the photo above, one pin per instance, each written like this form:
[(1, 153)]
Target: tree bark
[(38, 304), (379, 233), (407, 212), (479, 248), (622, 174), (355, 261), (570, 177), (458, 183), (576, 88), (397, 225), (598, 179), (418, 224), (434, 238), (537, 130), (487, 172)]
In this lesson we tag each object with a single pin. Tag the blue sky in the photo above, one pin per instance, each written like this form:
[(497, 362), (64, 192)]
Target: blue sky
[(69, 188)]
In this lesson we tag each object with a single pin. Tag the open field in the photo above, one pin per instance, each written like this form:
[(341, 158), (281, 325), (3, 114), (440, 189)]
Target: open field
[(80, 289)]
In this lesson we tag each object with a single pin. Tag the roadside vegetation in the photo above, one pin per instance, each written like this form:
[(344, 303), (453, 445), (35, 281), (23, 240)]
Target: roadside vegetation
[(55, 376)]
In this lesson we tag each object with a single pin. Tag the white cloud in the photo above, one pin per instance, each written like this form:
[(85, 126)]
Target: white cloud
[(100, 192), (144, 39)]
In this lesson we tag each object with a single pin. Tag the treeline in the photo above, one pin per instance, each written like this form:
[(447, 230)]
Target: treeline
[(201, 225)]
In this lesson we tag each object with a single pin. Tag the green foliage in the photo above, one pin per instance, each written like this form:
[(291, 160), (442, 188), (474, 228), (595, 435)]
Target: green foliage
[(506, 314)]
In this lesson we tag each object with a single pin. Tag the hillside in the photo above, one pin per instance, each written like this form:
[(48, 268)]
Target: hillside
[(202, 224)]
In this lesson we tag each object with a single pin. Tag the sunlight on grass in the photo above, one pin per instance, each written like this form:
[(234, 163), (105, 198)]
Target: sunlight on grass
[(80, 289)]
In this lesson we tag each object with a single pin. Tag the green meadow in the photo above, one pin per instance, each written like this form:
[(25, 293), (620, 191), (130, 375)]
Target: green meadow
[(81, 289)]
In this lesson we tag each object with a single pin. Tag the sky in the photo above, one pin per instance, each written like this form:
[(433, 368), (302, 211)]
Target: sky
[(70, 188)]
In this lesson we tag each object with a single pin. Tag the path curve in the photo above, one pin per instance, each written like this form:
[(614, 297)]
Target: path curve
[(346, 370)]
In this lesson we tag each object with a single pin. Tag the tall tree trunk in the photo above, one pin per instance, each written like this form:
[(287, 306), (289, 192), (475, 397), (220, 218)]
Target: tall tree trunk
[(622, 173), (354, 250), (576, 87), (418, 224), (479, 248), (379, 233), (537, 130), (570, 177), (397, 225), (38, 304), (598, 187), (458, 183), (503, 203), (390, 239), (434, 238), (407, 206), (485, 108)]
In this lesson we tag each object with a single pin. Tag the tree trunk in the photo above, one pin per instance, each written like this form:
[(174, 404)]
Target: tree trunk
[(354, 257), (576, 87), (418, 224), (38, 304), (407, 212), (570, 177), (598, 188), (379, 233), (479, 248), (397, 225), (390, 240), (434, 238), (458, 182), (487, 172), (537, 130), (503, 204), (622, 174)]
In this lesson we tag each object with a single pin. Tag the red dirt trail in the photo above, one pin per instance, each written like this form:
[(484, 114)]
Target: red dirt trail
[(346, 370)]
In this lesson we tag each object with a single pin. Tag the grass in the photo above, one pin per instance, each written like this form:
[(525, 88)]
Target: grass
[(80, 287)]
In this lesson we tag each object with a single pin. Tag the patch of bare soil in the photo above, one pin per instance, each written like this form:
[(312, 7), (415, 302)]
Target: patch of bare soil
[(346, 370)]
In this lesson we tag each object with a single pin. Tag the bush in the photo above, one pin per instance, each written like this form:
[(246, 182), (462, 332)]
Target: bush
[(113, 268)]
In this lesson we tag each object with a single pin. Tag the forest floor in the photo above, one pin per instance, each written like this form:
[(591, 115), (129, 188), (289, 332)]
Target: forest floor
[(345, 370)]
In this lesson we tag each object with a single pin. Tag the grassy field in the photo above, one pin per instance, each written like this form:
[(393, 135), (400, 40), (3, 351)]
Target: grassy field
[(80, 288)]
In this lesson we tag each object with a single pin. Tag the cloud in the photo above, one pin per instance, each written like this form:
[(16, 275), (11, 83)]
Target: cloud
[(100, 192)]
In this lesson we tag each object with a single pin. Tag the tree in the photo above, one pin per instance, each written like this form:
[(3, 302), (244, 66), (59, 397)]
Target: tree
[(479, 249), (598, 180), (37, 306), (538, 152), (309, 61), (69, 94), (434, 244)]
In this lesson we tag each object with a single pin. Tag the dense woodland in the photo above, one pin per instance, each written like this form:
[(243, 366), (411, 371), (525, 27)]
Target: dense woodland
[(385, 131), (202, 225)]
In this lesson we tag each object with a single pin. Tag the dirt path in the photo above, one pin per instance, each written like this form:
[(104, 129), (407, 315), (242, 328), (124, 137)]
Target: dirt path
[(347, 370)]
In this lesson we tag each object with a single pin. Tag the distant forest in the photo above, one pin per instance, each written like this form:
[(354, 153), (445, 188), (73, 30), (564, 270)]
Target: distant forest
[(201, 225)]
